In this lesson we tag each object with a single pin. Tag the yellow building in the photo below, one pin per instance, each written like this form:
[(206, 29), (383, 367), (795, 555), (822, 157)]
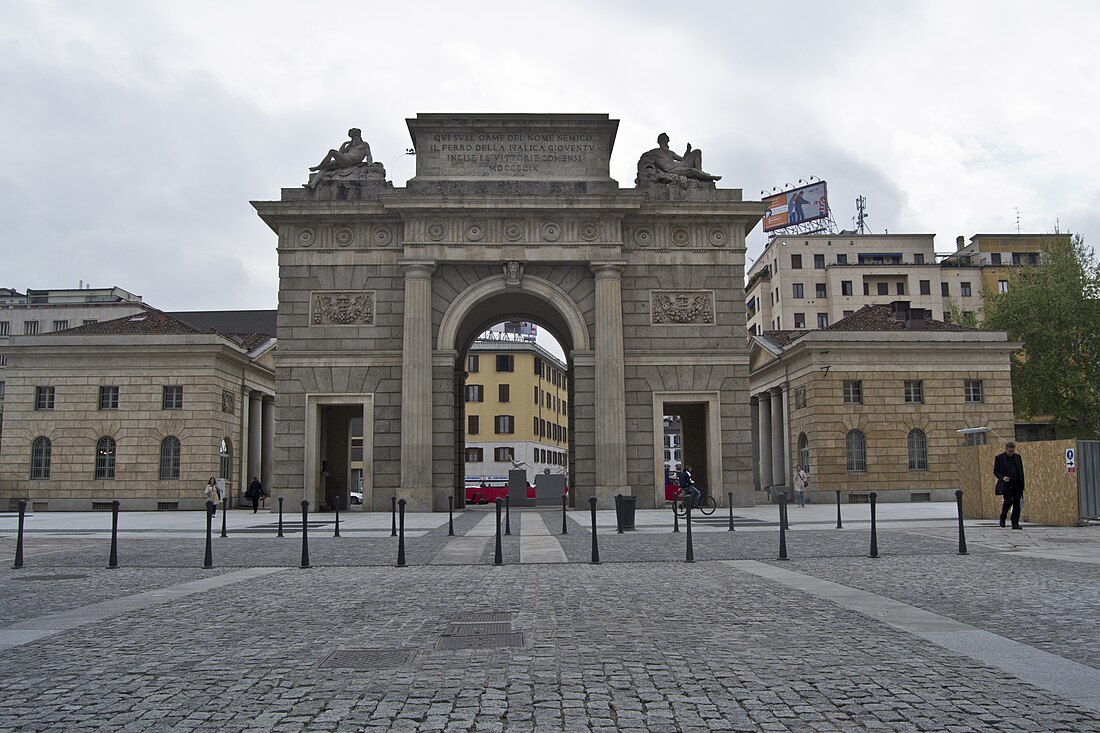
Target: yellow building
[(516, 410), (997, 255)]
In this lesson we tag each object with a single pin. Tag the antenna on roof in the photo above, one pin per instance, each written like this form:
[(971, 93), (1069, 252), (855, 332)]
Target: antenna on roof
[(1017, 219), (861, 215)]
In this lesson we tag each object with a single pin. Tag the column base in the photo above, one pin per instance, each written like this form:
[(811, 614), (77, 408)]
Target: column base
[(605, 496), (417, 498)]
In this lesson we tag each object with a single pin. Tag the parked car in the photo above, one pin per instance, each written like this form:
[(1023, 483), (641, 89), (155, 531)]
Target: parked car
[(356, 497)]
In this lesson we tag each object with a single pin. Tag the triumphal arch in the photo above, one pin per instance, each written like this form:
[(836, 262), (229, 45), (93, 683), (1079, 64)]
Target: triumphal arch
[(509, 217)]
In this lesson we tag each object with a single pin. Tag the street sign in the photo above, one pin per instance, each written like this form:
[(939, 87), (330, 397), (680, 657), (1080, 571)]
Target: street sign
[(1071, 460)]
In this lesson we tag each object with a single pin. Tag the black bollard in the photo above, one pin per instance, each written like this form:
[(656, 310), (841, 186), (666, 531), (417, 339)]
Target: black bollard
[(498, 556), (223, 518), (839, 524), (336, 531), (962, 532), (451, 516), (689, 504), (508, 514), (783, 526), (19, 537), (564, 502), (675, 516), (401, 534), (729, 495), (208, 561), (874, 529), (595, 544), (393, 516), (280, 517), (305, 534), (619, 513), (113, 561)]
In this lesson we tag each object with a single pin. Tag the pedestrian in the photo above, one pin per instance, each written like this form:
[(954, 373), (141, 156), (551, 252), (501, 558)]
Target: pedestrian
[(254, 492), (1008, 467), (801, 481), (213, 493)]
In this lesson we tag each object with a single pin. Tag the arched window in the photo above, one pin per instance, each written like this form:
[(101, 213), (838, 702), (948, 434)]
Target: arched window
[(105, 458), (804, 452), (856, 451), (169, 458), (225, 459), (918, 451), (41, 450)]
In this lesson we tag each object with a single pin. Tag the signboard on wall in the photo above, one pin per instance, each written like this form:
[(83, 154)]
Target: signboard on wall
[(797, 206)]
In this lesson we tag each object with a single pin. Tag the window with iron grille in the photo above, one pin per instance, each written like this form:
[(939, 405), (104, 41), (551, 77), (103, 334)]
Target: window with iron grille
[(30, 328), (105, 458), (43, 398), (918, 451), (108, 398), (914, 390), (853, 392), (41, 450), (855, 452), (5, 328), (60, 325), (173, 397), (170, 459)]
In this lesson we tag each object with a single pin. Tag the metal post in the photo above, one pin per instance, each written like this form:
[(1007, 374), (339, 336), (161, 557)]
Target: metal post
[(508, 514), (874, 529), (619, 513), (839, 524), (305, 533), (689, 504), (113, 561), (401, 534), (208, 561), (223, 518), (675, 516), (336, 531), (451, 516), (783, 526), (498, 557), (564, 501), (393, 516), (19, 537), (595, 544), (962, 532), (280, 517), (729, 495)]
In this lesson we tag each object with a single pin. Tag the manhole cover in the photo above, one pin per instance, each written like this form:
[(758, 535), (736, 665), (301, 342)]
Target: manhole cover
[(488, 641), (368, 659), (483, 617), (478, 629), (51, 577)]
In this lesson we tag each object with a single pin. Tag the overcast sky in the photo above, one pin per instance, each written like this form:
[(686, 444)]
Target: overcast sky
[(134, 134)]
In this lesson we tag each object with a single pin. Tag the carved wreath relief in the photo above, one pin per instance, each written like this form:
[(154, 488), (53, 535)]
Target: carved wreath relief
[(682, 306), (342, 308)]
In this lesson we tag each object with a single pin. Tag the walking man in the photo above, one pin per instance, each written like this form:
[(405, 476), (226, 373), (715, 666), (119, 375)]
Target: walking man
[(1008, 467)]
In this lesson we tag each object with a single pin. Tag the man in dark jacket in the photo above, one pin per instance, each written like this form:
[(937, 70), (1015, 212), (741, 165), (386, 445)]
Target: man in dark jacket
[(1008, 467), (255, 492)]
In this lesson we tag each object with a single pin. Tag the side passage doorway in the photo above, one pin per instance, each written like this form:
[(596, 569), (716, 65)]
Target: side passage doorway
[(339, 452), (686, 433)]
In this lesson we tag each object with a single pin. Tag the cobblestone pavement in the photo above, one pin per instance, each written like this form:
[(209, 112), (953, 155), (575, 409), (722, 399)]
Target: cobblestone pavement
[(640, 642)]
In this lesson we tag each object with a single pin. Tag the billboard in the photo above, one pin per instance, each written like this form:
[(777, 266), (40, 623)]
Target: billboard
[(797, 206)]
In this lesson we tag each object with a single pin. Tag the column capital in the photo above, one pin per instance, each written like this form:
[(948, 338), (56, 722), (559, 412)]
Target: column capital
[(417, 269), (607, 270)]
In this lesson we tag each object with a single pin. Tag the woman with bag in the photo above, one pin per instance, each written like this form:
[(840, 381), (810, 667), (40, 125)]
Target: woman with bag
[(213, 493), (801, 481)]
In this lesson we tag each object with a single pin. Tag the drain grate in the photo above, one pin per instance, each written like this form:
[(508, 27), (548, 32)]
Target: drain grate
[(483, 617), (51, 577), (487, 641), (368, 659), (489, 629)]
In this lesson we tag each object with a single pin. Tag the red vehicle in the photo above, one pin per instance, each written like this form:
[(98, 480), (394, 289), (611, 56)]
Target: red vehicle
[(672, 487), (491, 492)]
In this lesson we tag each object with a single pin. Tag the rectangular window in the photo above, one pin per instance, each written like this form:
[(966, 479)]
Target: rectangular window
[(884, 288), (43, 398), (866, 288), (900, 288), (173, 397), (538, 366), (1017, 258), (60, 325), (842, 258), (5, 328), (108, 398), (797, 290), (473, 424), (796, 262), (1002, 286), (822, 320), (964, 288), (973, 390), (542, 428), (918, 258), (995, 258), (564, 407), (848, 313), (3, 360), (925, 287), (799, 320), (819, 290), (504, 453), (819, 262), (505, 363), (914, 391), (853, 392), (565, 435), (89, 321), (945, 290), (845, 287), (503, 393), (30, 328), (536, 395), (535, 426), (475, 455), (1, 388), (473, 363), (475, 393), (549, 401), (504, 424)]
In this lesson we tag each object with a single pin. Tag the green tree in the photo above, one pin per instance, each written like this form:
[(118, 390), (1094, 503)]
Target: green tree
[(1054, 310)]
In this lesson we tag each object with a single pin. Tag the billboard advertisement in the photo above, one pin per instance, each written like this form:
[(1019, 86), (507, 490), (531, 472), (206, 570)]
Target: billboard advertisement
[(797, 206), (522, 328)]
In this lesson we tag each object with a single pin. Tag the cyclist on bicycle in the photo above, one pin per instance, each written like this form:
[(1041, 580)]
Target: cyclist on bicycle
[(689, 487)]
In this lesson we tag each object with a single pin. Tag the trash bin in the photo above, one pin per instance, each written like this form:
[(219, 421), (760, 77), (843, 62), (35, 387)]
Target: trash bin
[(627, 506)]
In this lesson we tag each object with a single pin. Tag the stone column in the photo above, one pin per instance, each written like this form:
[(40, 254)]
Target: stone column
[(416, 388), (754, 437), (254, 420), (610, 385), (765, 439), (787, 469), (267, 443), (779, 459)]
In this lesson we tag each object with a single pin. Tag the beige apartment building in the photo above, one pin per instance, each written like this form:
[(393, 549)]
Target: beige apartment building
[(875, 402), (996, 256), (516, 410)]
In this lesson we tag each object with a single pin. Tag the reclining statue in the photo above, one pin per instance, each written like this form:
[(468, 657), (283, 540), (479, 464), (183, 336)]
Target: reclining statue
[(351, 153), (661, 165)]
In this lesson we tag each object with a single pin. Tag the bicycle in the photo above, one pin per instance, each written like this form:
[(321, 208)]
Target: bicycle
[(706, 506)]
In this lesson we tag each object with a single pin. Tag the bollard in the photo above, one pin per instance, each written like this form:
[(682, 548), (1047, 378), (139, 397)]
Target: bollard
[(874, 529), (223, 518), (280, 517), (675, 516), (688, 506), (595, 544), (451, 516), (962, 532), (19, 538), (393, 516), (619, 513), (113, 561), (401, 534), (336, 531), (564, 502), (498, 557), (508, 514), (729, 494), (208, 561), (305, 534), (783, 526), (839, 524)]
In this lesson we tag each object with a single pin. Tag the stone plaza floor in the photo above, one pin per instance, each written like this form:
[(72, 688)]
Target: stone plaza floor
[(919, 639)]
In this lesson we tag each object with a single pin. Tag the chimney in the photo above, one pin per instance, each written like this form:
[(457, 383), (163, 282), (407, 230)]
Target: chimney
[(960, 242)]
